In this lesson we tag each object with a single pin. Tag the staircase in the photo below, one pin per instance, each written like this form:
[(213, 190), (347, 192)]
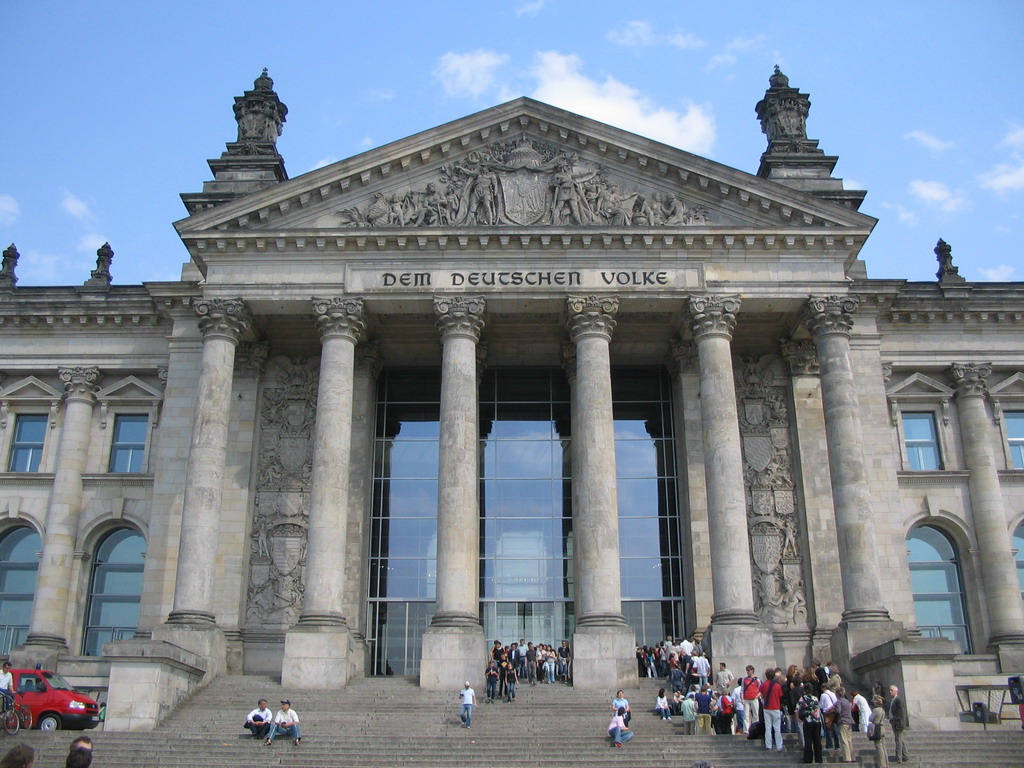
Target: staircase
[(378, 722)]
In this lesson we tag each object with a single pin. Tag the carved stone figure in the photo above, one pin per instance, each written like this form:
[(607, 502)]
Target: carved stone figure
[(260, 115), (8, 279), (521, 183)]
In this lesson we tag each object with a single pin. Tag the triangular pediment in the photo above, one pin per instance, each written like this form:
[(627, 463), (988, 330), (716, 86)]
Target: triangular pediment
[(919, 386), (528, 166), (30, 388), (129, 388), (1012, 386)]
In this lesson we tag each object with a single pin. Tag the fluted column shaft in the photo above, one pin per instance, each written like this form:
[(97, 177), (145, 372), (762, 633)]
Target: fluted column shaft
[(53, 584), (341, 323), (998, 570), (830, 318), (460, 321), (712, 321), (596, 527), (222, 322)]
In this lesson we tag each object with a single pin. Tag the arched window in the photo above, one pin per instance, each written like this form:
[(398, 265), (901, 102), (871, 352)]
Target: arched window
[(938, 587), (19, 561), (1018, 546), (115, 590)]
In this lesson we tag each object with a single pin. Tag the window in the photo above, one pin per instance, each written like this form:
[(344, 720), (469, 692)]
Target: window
[(19, 561), (128, 448), (921, 441), (937, 586), (116, 589), (1015, 435), (1018, 545), (27, 448)]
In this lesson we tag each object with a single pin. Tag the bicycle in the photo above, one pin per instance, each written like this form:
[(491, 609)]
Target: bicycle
[(15, 717)]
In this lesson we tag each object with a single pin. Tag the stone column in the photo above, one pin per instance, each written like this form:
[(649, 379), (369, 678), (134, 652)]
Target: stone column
[(316, 649), (736, 634), (47, 635), (603, 644), (995, 555), (453, 644), (222, 323), (830, 319)]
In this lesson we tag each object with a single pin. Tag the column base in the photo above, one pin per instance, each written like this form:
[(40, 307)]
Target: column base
[(207, 642), (1011, 654), (451, 656), (739, 645), (857, 635), (316, 655), (604, 656), (39, 649), (193, 618)]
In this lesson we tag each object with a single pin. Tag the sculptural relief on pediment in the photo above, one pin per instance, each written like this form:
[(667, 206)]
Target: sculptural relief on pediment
[(524, 183)]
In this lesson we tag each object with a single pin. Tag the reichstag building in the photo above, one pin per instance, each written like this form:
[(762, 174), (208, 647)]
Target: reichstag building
[(522, 375)]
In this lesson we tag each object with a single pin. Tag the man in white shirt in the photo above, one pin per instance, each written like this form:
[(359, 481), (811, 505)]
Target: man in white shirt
[(863, 712), (286, 721), (7, 685), (467, 696), (258, 721)]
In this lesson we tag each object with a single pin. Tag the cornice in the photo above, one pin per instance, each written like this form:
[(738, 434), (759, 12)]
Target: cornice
[(939, 478)]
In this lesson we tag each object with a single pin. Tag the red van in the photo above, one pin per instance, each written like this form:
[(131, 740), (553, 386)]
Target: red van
[(54, 701)]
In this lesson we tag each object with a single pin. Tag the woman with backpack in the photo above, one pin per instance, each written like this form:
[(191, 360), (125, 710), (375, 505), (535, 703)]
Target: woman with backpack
[(808, 711)]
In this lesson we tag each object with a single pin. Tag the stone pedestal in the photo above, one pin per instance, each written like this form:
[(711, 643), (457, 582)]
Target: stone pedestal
[(451, 656), (740, 644), (854, 637), (317, 656), (604, 657), (148, 678)]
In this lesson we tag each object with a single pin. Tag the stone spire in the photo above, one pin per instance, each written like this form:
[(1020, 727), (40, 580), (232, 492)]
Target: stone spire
[(10, 262), (251, 162), (791, 158), (101, 277), (947, 272)]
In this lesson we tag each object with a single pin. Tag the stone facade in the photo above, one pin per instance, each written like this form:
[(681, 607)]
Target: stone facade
[(519, 239)]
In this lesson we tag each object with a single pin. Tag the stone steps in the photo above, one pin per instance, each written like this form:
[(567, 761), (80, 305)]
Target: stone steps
[(383, 722)]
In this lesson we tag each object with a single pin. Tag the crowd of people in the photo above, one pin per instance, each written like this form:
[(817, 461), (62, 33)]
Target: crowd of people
[(24, 756)]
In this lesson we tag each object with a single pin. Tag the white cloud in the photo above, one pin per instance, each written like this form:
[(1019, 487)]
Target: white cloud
[(468, 74), (929, 141), (1005, 177), (1014, 138), (938, 195), (366, 142), (728, 56), (560, 82), (382, 94), (1001, 274), (323, 162), (903, 213), (90, 242), (76, 207), (9, 209), (530, 8), (638, 34), (36, 267)]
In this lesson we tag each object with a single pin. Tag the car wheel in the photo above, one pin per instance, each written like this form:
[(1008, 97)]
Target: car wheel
[(49, 723)]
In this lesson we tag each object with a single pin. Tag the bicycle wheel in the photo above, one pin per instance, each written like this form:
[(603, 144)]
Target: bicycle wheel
[(11, 721), (25, 716)]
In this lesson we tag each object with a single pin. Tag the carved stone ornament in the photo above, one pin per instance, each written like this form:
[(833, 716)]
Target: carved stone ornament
[(460, 315), (340, 317), (223, 317), (278, 541), (590, 315), (101, 277), (970, 378), (768, 473), (783, 116), (80, 382), (713, 315), (825, 315), (802, 356), (683, 357), (523, 183), (948, 273), (260, 115), (8, 278)]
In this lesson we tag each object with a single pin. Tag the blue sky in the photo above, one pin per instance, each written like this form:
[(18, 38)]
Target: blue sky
[(112, 108)]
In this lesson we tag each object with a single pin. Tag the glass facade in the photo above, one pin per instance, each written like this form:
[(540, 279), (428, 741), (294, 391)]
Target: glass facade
[(526, 538), (116, 589), (1015, 434), (19, 563), (922, 442), (937, 585), (1018, 545)]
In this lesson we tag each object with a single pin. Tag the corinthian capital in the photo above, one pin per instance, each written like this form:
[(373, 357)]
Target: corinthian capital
[(826, 315), (460, 315), (340, 317), (713, 315), (592, 315), (969, 378), (227, 318), (802, 356), (80, 382)]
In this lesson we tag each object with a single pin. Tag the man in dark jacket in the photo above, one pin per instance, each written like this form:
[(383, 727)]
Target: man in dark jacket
[(898, 719)]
